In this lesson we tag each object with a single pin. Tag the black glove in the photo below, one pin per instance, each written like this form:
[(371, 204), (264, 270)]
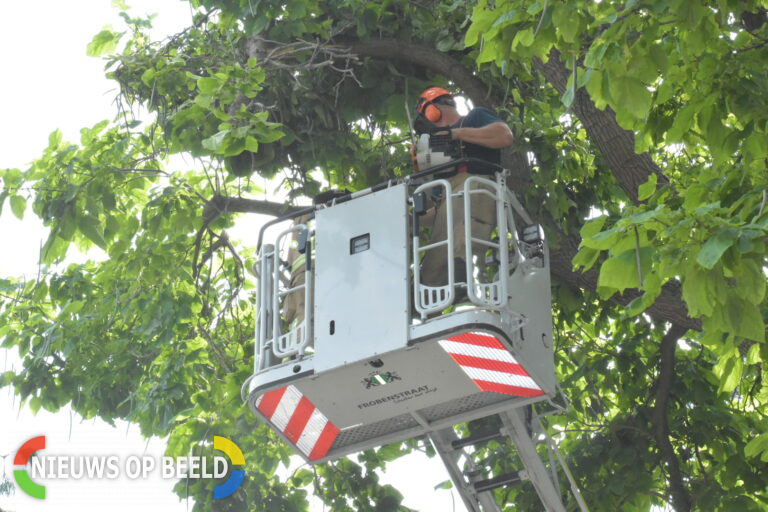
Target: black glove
[(441, 131), (329, 195), (422, 125)]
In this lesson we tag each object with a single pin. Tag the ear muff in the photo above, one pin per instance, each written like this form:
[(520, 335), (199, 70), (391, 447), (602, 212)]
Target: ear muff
[(432, 113)]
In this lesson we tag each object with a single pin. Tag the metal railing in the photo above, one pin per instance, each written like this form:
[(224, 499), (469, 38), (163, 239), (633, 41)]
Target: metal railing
[(274, 343), (278, 343), (491, 293), (431, 299)]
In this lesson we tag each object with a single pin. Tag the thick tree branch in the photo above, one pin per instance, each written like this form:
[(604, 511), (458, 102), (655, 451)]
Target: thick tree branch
[(219, 205), (615, 143), (681, 497), (431, 59)]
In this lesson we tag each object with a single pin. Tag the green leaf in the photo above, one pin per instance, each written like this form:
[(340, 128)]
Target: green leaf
[(753, 356), (482, 19), (93, 230), (54, 139), (303, 477), (597, 87), (694, 197), (487, 54), (215, 142), (647, 189), (251, 144), (593, 226), (755, 146), (6, 378), (55, 248), (535, 7), (73, 307), (446, 43), (758, 446), (511, 16), (640, 304), (34, 404), (524, 37), (208, 85), (750, 281), (390, 452), (638, 218), (730, 370), (18, 206), (270, 133), (567, 21), (631, 95), (659, 56), (683, 123), (148, 76), (745, 319), (691, 13), (585, 258), (105, 41), (603, 240), (714, 248), (696, 291), (620, 272), (567, 97)]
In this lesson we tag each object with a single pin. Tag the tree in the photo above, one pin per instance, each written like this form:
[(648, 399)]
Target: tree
[(640, 128)]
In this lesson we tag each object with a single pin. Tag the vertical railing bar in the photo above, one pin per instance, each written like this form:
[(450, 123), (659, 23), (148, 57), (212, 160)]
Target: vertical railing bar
[(501, 219), (428, 299)]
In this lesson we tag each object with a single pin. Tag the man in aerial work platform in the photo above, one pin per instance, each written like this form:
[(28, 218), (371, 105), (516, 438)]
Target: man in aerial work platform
[(480, 135), (293, 306)]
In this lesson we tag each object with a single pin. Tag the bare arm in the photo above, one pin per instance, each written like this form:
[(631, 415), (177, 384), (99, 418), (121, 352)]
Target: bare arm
[(495, 135)]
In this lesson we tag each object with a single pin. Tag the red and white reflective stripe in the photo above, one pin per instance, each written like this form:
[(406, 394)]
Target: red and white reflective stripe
[(299, 420), (491, 367)]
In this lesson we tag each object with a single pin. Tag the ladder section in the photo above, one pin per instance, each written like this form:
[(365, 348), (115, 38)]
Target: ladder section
[(447, 445), (474, 482)]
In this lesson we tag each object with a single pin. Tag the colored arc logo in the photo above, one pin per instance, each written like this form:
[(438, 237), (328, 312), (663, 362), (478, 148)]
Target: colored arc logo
[(21, 475), (237, 476)]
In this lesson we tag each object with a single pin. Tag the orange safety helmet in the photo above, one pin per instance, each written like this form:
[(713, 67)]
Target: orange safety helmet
[(425, 105)]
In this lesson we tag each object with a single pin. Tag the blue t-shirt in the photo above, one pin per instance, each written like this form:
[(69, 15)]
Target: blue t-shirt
[(477, 118)]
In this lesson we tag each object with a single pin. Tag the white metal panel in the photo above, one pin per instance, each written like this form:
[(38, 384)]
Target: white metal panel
[(413, 378), (361, 300), (530, 295)]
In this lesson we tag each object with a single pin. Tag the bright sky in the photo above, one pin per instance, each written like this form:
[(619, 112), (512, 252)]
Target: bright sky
[(48, 82)]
